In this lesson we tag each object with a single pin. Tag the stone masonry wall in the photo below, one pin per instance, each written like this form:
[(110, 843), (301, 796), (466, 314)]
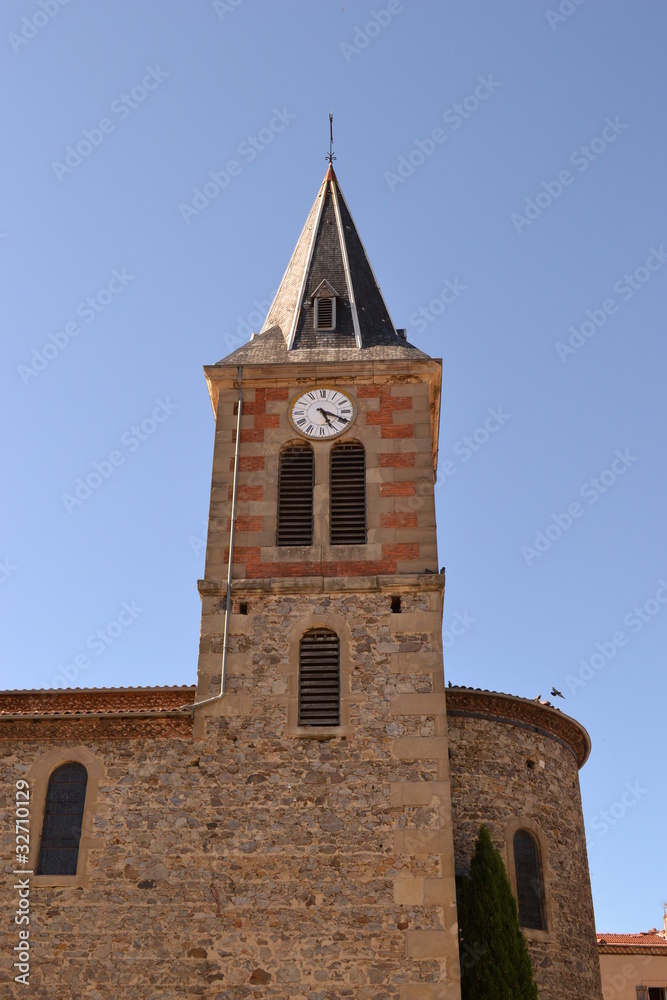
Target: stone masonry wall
[(246, 861), (492, 782)]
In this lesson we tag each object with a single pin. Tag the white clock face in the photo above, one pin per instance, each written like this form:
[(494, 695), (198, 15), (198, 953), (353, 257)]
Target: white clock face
[(322, 412)]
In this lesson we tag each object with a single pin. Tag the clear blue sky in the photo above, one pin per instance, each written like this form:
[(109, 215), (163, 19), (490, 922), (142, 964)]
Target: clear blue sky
[(540, 199)]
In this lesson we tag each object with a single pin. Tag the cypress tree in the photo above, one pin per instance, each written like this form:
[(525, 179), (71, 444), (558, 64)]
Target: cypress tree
[(495, 964)]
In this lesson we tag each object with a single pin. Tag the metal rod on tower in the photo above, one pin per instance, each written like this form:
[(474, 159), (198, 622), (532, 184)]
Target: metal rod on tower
[(331, 155)]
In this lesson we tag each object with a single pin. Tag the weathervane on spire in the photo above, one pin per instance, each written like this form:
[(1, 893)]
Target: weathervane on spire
[(331, 156)]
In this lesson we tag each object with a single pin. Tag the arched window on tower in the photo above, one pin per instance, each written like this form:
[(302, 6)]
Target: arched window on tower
[(319, 678), (63, 817), (296, 479), (529, 881), (347, 494)]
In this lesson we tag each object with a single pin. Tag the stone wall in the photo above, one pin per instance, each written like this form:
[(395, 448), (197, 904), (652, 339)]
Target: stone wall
[(513, 766), (247, 859)]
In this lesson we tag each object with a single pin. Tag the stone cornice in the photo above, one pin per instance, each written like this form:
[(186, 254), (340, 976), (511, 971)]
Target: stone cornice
[(632, 949), (398, 583), (511, 710), (69, 703)]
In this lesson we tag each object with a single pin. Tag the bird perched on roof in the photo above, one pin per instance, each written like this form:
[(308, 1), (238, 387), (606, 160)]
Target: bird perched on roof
[(555, 693)]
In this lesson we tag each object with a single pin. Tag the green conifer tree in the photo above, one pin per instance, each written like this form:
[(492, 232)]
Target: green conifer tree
[(495, 964)]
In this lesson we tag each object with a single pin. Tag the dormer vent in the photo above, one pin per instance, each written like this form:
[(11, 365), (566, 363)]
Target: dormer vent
[(324, 306)]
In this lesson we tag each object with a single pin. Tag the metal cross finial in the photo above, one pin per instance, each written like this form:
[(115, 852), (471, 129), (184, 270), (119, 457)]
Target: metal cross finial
[(331, 155)]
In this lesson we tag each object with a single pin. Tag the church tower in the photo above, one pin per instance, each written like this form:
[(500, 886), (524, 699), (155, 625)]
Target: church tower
[(320, 670)]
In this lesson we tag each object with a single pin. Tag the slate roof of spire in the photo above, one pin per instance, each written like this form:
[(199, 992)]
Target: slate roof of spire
[(329, 249)]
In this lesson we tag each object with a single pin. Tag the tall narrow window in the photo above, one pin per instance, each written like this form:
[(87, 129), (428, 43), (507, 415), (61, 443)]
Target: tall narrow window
[(319, 678), (529, 881), (296, 479), (347, 494), (63, 816)]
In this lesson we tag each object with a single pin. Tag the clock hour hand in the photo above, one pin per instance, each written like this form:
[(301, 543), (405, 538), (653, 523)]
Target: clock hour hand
[(327, 413)]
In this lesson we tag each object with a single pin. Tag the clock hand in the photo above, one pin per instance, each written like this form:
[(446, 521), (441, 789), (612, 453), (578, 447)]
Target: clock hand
[(327, 413)]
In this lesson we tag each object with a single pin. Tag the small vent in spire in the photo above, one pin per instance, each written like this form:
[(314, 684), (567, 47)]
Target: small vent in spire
[(324, 306), (324, 313)]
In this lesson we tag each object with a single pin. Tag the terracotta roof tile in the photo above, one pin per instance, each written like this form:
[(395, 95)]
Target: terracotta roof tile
[(645, 939), (94, 701)]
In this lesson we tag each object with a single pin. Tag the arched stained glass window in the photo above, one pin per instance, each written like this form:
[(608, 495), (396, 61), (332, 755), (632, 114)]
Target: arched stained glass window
[(63, 816), (529, 881)]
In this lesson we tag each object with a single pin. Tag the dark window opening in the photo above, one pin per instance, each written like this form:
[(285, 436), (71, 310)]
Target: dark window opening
[(529, 883), (396, 605), (324, 313), (319, 678), (657, 993), (530, 764), (296, 480), (347, 494), (63, 817), (243, 608)]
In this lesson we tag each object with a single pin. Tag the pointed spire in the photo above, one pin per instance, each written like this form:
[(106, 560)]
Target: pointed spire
[(330, 249)]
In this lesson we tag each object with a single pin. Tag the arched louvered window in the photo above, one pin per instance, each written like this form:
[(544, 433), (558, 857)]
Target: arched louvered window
[(319, 678), (529, 881), (63, 816), (347, 494), (296, 479)]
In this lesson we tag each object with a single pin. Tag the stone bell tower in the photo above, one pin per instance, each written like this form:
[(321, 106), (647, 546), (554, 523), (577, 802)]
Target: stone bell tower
[(320, 671)]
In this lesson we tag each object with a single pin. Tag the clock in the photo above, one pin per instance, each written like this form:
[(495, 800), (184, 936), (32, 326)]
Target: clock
[(322, 412)]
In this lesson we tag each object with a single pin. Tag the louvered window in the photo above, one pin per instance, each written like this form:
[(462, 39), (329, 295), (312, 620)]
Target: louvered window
[(63, 817), (529, 883), (325, 313), (347, 494), (319, 678), (296, 478)]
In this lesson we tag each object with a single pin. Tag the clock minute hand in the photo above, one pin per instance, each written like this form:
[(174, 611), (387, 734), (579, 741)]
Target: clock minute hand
[(327, 413)]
